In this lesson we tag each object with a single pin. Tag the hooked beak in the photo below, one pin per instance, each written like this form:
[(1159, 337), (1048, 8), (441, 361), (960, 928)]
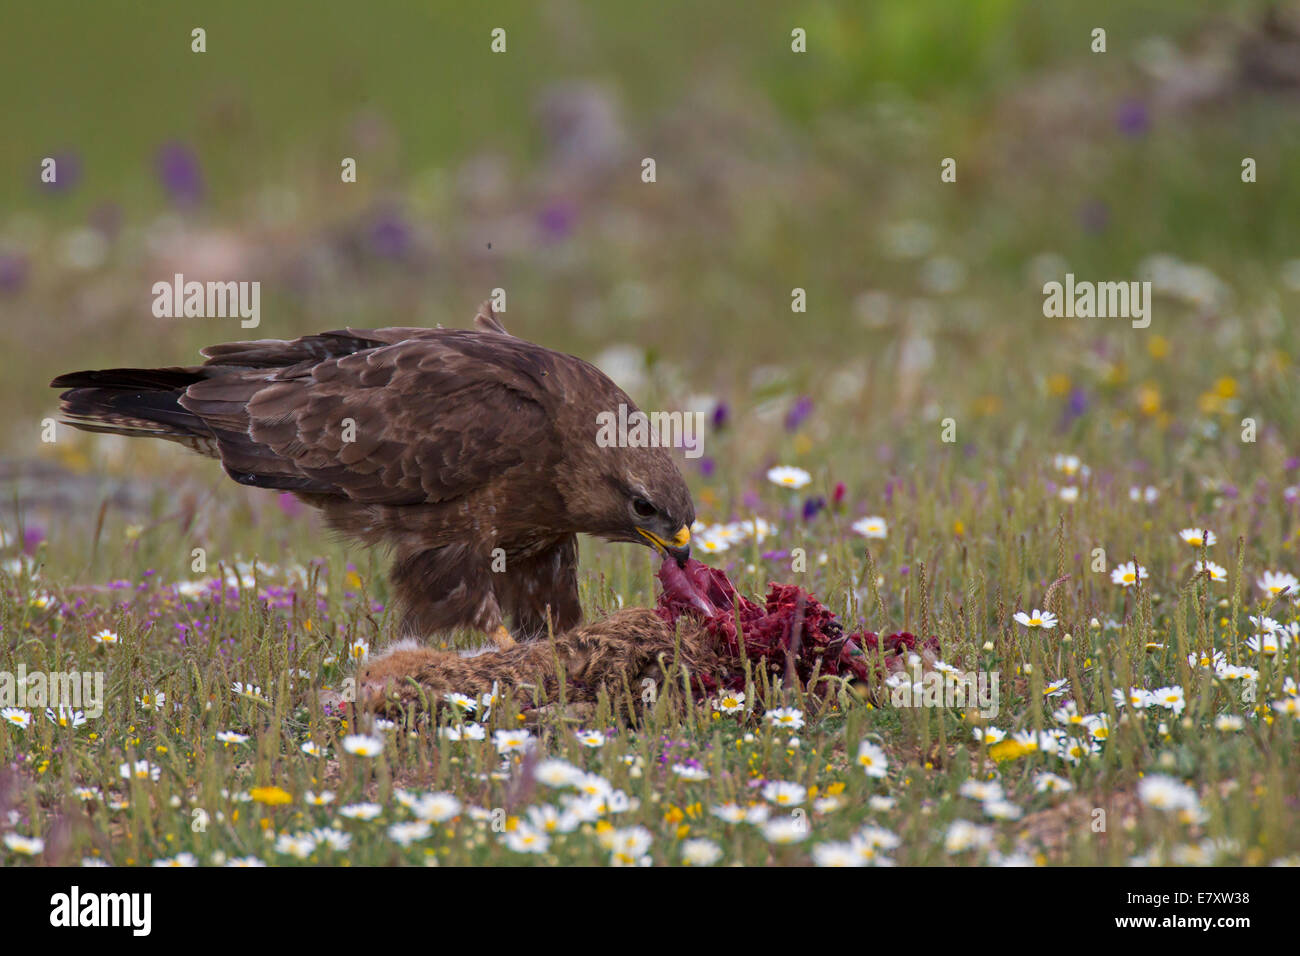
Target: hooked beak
[(679, 549)]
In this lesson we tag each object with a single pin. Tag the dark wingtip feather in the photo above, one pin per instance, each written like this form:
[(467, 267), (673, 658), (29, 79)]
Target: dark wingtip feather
[(147, 379)]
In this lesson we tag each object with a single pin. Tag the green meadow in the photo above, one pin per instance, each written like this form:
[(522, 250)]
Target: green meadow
[(1100, 512)]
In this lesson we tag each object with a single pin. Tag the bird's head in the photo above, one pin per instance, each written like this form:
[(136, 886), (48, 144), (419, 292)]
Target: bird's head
[(640, 496)]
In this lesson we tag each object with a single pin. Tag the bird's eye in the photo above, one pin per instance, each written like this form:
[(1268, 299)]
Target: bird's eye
[(642, 507)]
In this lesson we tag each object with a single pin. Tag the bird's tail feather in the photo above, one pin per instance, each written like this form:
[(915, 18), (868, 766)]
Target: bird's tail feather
[(137, 402)]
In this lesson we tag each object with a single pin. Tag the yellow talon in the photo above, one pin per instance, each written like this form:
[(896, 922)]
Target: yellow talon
[(502, 639)]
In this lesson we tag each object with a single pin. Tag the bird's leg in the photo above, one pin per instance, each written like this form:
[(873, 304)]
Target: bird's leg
[(502, 639), (445, 588), (490, 620), (541, 593)]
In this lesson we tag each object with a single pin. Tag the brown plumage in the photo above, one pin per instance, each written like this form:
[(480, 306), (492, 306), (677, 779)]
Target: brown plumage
[(444, 444)]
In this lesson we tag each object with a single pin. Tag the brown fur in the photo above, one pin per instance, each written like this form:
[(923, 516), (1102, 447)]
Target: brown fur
[(620, 651)]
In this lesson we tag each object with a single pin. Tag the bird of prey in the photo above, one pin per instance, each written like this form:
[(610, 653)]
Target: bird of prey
[(473, 454)]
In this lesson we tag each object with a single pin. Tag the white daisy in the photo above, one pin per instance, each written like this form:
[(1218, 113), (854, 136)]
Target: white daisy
[(837, 854), (336, 840), (1290, 706), (1217, 572), (460, 701), (1067, 464), (363, 745), (65, 716), (701, 852), (730, 702), (1137, 697), (785, 830), (787, 476), (1269, 644), (557, 773), (527, 839), (1229, 723), (1057, 687), (790, 718), (981, 790), (404, 834), (1128, 574), (469, 731), (436, 807), (27, 846), (591, 785), (1207, 658), (140, 770), (785, 794), (1036, 618), (962, 835), (1148, 494), (709, 543), (873, 526), (1275, 582), (1165, 793), (16, 716), (1074, 751), (628, 846), (1002, 810), (1197, 538), (1051, 783), (872, 760), (297, 845), (511, 741), (548, 819), (1098, 726), (729, 813), (247, 690)]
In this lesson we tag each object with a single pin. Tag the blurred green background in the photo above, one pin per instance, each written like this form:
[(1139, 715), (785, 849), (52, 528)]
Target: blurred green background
[(775, 170)]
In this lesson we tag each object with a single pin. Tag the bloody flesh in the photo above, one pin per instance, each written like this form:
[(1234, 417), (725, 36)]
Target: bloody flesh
[(791, 633)]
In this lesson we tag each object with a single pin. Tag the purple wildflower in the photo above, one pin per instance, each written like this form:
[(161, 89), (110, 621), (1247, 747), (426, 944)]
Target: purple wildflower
[(13, 272), (67, 172), (179, 173), (33, 535), (390, 235), (1132, 118), (556, 220), (798, 413)]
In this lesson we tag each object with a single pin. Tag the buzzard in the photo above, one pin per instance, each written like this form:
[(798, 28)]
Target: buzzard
[(473, 454)]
